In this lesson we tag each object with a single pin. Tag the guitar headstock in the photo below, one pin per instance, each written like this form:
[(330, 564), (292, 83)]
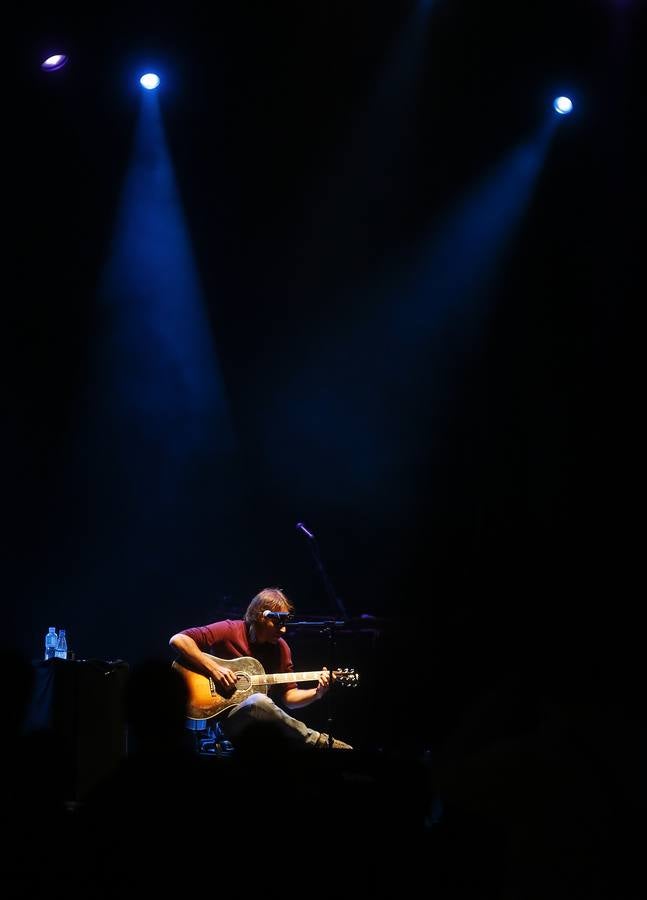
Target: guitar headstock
[(346, 677)]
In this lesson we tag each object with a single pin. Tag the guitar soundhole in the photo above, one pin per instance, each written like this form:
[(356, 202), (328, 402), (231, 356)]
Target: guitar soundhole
[(243, 681)]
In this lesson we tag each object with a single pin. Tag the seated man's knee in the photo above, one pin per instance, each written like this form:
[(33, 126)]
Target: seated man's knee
[(260, 703)]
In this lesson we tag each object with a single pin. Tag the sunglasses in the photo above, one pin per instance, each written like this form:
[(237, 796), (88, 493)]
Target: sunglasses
[(279, 618)]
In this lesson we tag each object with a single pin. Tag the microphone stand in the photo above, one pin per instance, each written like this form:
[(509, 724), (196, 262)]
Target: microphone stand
[(327, 627)]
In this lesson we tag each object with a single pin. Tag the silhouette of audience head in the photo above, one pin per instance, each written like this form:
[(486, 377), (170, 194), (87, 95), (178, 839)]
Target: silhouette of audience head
[(18, 690)]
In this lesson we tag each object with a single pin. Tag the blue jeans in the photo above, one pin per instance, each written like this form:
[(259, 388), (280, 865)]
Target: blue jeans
[(260, 710)]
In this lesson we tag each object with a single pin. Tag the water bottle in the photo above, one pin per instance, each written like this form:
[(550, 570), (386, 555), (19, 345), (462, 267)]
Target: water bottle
[(61, 646), (51, 642)]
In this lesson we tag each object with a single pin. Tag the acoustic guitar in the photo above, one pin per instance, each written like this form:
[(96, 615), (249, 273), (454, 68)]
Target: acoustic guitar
[(206, 700)]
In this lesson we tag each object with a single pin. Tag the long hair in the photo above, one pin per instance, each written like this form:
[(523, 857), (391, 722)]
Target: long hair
[(269, 598)]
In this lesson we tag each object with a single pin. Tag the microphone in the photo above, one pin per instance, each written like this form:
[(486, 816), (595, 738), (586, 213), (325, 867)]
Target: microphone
[(282, 617), (302, 527)]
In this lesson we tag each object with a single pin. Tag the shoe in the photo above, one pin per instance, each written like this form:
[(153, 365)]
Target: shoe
[(323, 743)]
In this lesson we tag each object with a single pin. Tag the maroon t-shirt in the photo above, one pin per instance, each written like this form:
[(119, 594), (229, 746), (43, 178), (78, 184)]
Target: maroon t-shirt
[(229, 639)]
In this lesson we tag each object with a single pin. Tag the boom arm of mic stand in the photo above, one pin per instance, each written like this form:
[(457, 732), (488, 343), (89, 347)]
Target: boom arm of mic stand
[(326, 580)]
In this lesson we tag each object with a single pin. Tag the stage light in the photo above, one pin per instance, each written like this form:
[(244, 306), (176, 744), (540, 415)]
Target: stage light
[(562, 105), (52, 63), (149, 81)]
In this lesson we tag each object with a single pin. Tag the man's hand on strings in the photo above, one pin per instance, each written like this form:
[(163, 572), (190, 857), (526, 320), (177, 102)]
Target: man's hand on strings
[(324, 684), (224, 677)]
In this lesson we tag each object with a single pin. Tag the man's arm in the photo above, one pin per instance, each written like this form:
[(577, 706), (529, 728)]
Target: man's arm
[(295, 698), (203, 662)]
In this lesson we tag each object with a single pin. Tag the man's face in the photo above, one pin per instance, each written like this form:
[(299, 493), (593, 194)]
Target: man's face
[(268, 630)]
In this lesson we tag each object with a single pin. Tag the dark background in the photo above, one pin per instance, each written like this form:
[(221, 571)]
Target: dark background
[(479, 496)]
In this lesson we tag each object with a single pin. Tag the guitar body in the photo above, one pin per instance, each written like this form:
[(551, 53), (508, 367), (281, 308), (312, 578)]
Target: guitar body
[(205, 701)]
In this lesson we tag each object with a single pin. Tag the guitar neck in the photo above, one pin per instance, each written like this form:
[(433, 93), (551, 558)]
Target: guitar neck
[(285, 677)]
